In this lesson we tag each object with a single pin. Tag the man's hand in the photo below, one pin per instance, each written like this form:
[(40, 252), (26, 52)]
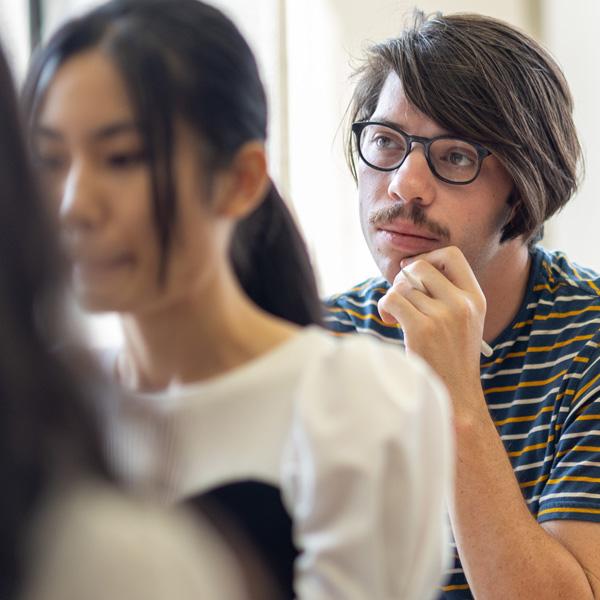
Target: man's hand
[(444, 325)]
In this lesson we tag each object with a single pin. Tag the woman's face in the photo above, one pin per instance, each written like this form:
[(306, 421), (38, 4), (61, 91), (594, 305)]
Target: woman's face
[(93, 164)]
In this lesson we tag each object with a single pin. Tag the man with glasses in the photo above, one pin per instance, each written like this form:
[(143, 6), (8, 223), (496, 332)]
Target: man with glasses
[(463, 145)]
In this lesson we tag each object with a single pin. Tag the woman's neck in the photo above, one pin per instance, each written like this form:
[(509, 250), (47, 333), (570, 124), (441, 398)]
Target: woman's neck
[(196, 338)]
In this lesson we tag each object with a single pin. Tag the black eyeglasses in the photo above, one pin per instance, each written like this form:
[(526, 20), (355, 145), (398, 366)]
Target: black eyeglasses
[(451, 159)]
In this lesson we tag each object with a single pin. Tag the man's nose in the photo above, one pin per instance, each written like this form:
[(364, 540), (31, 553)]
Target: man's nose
[(413, 180)]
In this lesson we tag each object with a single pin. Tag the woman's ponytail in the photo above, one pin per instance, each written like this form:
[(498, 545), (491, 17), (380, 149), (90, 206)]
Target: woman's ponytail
[(272, 264)]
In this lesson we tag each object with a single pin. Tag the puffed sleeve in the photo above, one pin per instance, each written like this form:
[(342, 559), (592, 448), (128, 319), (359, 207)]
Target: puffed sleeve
[(366, 476)]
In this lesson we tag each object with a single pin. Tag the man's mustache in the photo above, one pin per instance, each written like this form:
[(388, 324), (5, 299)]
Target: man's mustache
[(413, 213)]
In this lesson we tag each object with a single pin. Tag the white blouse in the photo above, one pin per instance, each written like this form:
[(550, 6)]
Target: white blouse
[(355, 434)]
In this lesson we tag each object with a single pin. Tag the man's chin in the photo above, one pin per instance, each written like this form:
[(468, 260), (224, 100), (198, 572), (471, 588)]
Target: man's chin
[(390, 266), (389, 269)]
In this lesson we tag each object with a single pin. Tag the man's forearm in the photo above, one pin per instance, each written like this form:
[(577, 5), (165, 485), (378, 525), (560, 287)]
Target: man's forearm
[(504, 551)]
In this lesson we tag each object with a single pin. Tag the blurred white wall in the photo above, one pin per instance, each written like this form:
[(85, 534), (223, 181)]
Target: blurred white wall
[(55, 11), (570, 31), (14, 31)]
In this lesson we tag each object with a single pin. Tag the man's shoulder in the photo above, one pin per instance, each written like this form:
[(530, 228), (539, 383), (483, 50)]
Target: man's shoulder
[(560, 314), (563, 297), (560, 277), (355, 311)]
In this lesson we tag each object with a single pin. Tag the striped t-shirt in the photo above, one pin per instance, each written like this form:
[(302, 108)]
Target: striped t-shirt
[(542, 386)]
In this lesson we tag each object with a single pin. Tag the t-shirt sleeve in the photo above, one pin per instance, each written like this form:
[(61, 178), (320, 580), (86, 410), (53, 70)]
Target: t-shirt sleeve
[(367, 476), (572, 490), (335, 316)]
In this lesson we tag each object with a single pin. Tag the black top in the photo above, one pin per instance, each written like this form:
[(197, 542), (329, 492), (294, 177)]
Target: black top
[(254, 522)]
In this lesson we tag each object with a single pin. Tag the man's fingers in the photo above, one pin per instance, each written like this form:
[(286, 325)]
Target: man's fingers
[(432, 281), (450, 262), (386, 316), (402, 307)]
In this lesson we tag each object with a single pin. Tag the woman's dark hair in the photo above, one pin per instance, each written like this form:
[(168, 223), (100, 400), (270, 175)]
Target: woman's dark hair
[(43, 416), (183, 58), (487, 81)]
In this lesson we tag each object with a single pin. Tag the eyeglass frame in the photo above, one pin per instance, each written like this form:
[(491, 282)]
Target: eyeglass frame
[(482, 151)]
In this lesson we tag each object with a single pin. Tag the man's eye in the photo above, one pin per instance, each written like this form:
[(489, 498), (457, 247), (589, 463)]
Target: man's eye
[(459, 159), (384, 142)]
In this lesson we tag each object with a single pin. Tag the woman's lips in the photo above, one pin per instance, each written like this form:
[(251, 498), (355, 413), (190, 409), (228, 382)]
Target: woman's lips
[(89, 270)]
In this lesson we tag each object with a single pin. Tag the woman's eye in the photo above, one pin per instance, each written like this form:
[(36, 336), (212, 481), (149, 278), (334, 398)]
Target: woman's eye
[(50, 162), (125, 160)]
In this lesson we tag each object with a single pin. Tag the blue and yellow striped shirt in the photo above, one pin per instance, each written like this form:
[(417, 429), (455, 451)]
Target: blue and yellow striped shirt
[(542, 386)]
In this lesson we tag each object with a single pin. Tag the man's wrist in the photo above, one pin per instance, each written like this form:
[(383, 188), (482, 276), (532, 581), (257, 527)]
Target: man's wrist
[(472, 419)]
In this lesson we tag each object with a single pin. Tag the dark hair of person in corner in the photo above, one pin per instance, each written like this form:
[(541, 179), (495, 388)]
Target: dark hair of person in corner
[(185, 59), (44, 419)]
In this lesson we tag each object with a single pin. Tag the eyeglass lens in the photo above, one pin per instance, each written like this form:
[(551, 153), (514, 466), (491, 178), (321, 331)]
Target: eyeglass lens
[(451, 158)]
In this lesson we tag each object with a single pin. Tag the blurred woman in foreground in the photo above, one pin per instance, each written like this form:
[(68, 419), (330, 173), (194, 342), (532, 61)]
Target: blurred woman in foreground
[(66, 532)]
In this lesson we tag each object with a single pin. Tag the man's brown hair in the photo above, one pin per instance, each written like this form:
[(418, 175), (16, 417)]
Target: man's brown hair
[(485, 80)]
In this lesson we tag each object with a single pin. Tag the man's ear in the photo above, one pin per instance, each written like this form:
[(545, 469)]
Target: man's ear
[(245, 182), (512, 206)]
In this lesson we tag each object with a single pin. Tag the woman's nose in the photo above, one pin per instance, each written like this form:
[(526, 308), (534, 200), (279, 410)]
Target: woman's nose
[(80, 205)]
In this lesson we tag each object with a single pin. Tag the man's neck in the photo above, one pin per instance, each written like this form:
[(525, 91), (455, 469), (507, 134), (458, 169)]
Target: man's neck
[(504, 286)]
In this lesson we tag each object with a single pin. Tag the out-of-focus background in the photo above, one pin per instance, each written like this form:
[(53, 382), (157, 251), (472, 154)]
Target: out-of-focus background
[(306, 49)]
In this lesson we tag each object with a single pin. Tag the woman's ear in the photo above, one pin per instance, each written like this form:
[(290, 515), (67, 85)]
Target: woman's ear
[(245, 182)]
